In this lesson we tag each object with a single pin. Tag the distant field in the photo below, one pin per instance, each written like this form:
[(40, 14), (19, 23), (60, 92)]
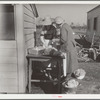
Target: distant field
[(81, 31)]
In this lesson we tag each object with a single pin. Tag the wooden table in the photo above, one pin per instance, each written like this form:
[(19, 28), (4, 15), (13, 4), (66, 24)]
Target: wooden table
[(31, 58)]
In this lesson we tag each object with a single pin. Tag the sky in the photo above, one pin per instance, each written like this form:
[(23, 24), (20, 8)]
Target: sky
[(76, 13)]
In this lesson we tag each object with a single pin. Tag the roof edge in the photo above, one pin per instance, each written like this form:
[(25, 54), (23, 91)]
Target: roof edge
[(93, 8), (35, 12)]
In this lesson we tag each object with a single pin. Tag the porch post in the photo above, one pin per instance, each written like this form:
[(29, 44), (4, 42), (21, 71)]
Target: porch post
[(20, 47)]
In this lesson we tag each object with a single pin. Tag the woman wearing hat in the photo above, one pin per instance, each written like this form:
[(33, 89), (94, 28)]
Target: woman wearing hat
[(68, 46), (48, 31), (70, 64)]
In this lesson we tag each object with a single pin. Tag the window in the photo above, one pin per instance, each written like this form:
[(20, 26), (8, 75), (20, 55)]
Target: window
[(95, 24), (88, 24), (7, 22)]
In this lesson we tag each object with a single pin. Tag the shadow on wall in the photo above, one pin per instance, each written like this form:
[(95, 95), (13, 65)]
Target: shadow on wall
[(38, 32)]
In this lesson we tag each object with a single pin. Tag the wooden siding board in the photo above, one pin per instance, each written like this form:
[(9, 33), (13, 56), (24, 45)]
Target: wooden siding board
[(8, 52), (8, 74), (27, 21), (8, 60), (30, 46), (29, 25), (27, 6), (8, 67), (29, 40), (8, 82), (28, 17), (29, 32), (28, 12), (30, 43), (28, 28), (7, 44), (6, 89), (29, 37)]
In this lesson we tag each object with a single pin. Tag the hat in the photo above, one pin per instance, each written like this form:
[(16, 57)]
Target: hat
[(47, 21), (59, 20)]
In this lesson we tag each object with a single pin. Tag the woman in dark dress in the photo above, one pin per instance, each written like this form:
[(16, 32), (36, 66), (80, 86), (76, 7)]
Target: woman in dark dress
[(68, 46)]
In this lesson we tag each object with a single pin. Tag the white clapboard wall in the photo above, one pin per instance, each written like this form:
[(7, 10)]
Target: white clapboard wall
[(29, 26), (29, 29), (13, 62), (8, 67)]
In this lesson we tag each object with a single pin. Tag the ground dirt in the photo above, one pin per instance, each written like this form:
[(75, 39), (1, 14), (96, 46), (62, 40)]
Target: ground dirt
[(91, 83)]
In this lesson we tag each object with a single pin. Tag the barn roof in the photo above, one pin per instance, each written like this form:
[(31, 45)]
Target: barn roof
[(94, 8)]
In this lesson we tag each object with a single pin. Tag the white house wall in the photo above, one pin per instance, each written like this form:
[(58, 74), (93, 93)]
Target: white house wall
[(29, 26), (8, 51), (8, 67), (13, 62), (91, 15), (29, 29)]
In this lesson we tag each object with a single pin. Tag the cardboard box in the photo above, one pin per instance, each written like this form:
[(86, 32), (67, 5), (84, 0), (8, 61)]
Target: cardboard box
[(36, 50)]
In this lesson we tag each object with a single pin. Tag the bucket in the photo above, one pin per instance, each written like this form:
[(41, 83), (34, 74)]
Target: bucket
[(70, 86), (68, 90)]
